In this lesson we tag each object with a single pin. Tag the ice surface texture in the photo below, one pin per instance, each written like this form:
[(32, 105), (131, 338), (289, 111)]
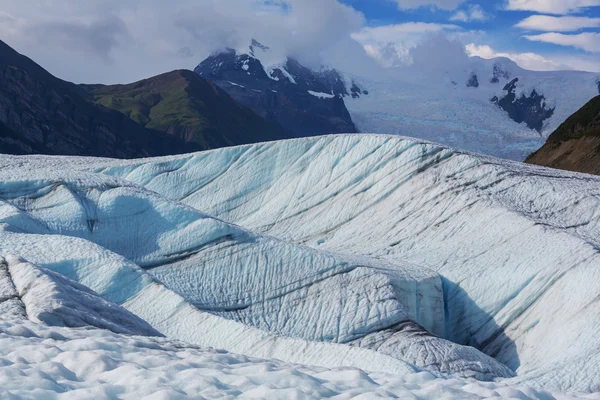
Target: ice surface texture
[(40, 362), (438, 104), (286, 289), (515, 245), (368, 251)]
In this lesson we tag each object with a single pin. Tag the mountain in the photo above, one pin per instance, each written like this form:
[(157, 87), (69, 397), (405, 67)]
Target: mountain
[(40, 113), (188, 107), (301, 101), (491, 106), (575, 145)]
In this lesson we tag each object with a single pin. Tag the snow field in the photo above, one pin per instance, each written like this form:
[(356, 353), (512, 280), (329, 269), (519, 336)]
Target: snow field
[(38, 361)]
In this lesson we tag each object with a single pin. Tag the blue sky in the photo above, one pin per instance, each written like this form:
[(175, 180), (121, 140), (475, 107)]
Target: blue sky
[(552, 26), (116, 41)]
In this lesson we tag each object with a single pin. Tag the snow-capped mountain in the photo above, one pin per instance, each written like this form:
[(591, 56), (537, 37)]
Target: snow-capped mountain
[(491, 106), (303, 102), (383, 253)]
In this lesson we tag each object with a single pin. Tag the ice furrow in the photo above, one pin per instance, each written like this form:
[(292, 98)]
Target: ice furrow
[(503, 223)]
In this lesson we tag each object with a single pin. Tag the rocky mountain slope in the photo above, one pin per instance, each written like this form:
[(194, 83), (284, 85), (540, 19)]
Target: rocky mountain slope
[(188, 107), (301, 101), (40, 113), (575, 145)]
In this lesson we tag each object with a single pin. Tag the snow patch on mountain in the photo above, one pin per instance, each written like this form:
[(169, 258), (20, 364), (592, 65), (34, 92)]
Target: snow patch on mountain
[(321, 95)]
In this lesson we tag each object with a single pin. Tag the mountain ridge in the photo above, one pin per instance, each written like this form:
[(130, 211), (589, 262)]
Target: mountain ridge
[(188, 107), (44, 114), (301, 101)]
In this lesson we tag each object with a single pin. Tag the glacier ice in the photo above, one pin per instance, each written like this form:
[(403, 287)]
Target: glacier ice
[(52, 299), (437, 104), (283, 288), (515, 245), (378, 252)]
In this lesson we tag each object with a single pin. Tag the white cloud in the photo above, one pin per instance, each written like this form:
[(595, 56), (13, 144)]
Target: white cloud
[(393, 32), (551, 6), (443, 4), (438, 52), (558, 24), (537, 62), (473, 13), (121, 41), (588, 41), (390, 45), (531, 61)]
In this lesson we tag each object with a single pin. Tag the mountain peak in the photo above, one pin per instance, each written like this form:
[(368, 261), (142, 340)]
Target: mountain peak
[(257, 45)]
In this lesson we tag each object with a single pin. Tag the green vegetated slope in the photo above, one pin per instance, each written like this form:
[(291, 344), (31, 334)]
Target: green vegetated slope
[(189, 107)]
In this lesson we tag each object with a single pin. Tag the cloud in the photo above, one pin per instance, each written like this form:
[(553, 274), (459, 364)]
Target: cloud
[(113, 41), (537, 62), (588, 41), (97, 37), (473, 13), (390, 45), (442, 4), (558, 24), (531, 61), (551, 6), (437, 51)]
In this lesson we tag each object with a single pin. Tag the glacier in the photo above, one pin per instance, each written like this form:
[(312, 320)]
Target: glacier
[(436, 101), (383, 253), (515, 245), (222, 269)]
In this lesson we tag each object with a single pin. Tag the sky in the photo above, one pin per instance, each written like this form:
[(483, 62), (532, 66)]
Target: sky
[(116, 41)]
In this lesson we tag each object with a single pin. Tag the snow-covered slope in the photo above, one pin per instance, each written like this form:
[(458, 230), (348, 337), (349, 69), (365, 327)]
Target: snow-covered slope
[(378, 252), (43, 296), (39, 362), (120, 281), (515, 245), (469, 104), (490, 106)]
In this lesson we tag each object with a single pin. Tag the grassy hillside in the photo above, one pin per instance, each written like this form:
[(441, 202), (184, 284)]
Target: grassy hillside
[(43, 114), (187, 106), (585, 122)]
